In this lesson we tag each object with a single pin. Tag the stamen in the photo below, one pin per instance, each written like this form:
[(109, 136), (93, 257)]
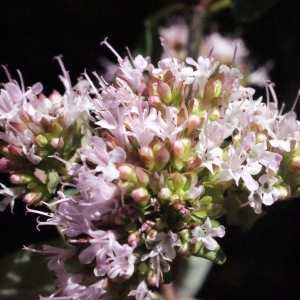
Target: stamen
[(111, 48), (281, 109), (39, 212), (271, 87), (129, 54), (210, 52), (7, 73), (234, 54), (33, 250), (267, 92), (296, 101), (59, 59), (21, 80)]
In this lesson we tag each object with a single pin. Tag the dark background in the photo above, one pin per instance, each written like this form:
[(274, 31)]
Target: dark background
[(262, 263)]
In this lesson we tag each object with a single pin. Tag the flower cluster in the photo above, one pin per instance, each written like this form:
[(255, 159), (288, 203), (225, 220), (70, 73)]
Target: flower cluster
[(33, 128), (169, 150)]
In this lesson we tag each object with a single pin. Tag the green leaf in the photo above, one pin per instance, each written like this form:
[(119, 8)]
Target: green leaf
[(70, 192), (250, 10), (201, 214), (217, 255), (52, 182)]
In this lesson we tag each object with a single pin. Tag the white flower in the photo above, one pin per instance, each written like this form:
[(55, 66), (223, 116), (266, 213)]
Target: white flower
[(205, 234), (142, 292), (234, 169), (10, 195)]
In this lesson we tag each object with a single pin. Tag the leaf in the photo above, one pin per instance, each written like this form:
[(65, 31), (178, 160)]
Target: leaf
[(250, 10), (217, 255), (53, 180), (70, 192)]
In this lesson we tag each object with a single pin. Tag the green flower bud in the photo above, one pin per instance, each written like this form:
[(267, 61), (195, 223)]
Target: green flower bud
[(141, 176), (152, 278), (143, 268), (164, 92), (178, 181), (140, 196), (134, 239), (185, 250), (127, 172), (55, 128), (146, 157), (214, 115), (41, 140), (192, 124), (57, 143), (165, 194), (294, 164), (20, 178), (161, 158), (285, 191), (31, 198), (177, 149)]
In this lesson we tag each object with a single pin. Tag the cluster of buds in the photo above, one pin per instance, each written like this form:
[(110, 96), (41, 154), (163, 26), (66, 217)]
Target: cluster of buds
[(172, 149), (34, 128)]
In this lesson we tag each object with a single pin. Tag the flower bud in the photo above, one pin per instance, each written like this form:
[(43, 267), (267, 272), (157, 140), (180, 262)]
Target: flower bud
[(155, 102), (161, 158), (165, 194), (146, 157), (55, 128), (214, 115), (133, 142), (164, 92), (143, 268), (31, 197), (134, 239), (140, 196), (185, 250), (142, 176), (57, 143), (193, 163), (20, 178), (154, 182), (295, 164), (14, 150), (127, 172), (6, 164), (285, 191), (152, 278), (260, 138), (178, 181), (192, 124), (178, 149), (181, 116), (41, 140)]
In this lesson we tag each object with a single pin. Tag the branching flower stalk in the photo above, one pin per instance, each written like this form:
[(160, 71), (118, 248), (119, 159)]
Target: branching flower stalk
[(167, 151)]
